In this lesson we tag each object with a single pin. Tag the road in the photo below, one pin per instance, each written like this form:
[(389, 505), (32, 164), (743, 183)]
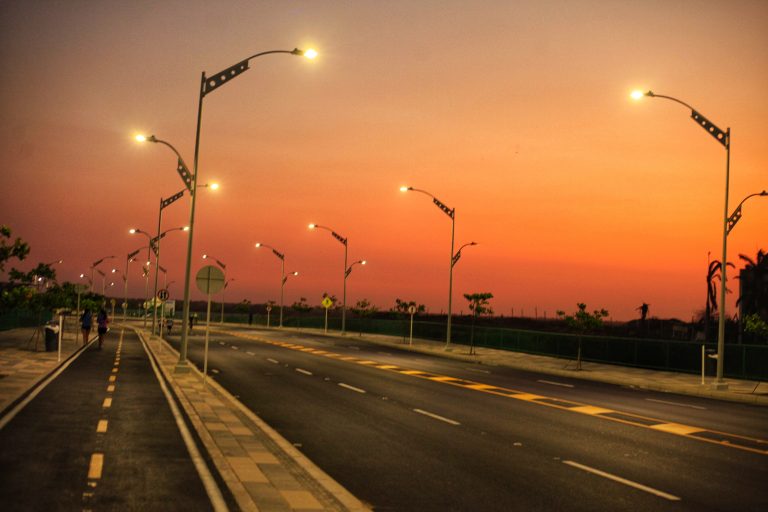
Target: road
[(405, 431), (113, 444)]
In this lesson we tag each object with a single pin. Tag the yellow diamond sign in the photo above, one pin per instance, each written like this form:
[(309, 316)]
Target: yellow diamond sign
[(327, 302)]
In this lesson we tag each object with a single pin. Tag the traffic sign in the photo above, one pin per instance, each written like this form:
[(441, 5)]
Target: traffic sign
[(163, 295), (327, 302), (412, 309), (113, 302), (210, 280), (269, 308)]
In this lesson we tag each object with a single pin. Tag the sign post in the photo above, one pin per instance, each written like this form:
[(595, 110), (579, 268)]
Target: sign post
[(412, 311), (209, 280), (269, 308), (163, 296), (327, 303)]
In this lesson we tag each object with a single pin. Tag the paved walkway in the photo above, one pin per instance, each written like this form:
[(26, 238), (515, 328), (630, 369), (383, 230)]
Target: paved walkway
[(746, 391)]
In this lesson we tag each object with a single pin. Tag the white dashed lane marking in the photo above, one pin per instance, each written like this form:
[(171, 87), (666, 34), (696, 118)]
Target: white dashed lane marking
[(302, 370), (621, 480), (437, 417), (351, 388), (552, 383)]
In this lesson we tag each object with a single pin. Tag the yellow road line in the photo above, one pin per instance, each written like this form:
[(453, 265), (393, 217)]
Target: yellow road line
[(101, 427), (749, 444), (107, 403), (96, 466)]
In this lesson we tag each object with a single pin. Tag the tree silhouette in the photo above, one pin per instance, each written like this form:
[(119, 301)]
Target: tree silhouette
[(582, 321), (753, 297), (479, 305)]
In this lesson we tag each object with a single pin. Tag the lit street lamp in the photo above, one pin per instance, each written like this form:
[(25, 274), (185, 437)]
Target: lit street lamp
[(724, 138), (208, 85), (281, 256), (344, 242), (451, 212)]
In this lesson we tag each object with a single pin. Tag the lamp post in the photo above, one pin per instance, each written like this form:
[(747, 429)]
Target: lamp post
[(281, 256), (208, 85), (96, 264), (224, 268), (450, 212), (103, 280), (736, 215), (344, 241), (156, 240), (147, 270), (724, 138)]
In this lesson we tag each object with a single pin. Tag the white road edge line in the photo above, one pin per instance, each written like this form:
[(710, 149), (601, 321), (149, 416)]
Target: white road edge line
[(556, 383), (436, 417), (624, 481), (351, 388), (302, 370), (273, 361), (676, 403), (250, 353)]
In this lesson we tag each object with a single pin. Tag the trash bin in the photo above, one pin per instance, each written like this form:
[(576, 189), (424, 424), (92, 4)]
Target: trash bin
[(51, 338)]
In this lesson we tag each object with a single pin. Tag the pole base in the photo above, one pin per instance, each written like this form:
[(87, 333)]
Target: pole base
[(719, 386), (182, 368)]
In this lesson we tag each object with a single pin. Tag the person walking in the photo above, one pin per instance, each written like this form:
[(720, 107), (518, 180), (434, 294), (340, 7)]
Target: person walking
[(102, 320), (86, 320)]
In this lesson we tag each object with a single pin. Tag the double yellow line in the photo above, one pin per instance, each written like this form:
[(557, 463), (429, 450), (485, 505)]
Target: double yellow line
[(745, 443)]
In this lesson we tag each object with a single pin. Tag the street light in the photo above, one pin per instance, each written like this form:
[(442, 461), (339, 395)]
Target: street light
[(96, 264), (208, 85), (344, 242), (451, 212), (724, 138), (156, 249), (281, 256), (150, 247), (457, 256), (736, 215), (224, 268)]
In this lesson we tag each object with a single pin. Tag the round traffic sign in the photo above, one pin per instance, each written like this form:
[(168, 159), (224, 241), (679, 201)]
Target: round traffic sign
[(210, 279), (163, 294), (412, 309), (269, 308)]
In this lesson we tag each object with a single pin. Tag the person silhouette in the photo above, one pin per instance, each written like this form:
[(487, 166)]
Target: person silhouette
[(643, 311)]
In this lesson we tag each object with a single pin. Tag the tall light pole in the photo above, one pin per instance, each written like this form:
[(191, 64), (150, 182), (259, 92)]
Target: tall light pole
[(156, 241), (208, 85), (736, 215), (224, 268), (450, 212), (96, 264), (724, 138), (344, 242), (281, 256), (128, 259), (146, 270), (346, 275)]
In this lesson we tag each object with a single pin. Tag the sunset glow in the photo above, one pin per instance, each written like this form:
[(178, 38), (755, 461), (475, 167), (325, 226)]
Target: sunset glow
[(572, 191)]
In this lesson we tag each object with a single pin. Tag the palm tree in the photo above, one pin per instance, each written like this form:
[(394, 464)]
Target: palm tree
[(753, 286), (713, 273), (479, 305)]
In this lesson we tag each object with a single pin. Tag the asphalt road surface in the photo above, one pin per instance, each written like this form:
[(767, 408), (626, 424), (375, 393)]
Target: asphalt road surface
[(100, 436), (405, 431)]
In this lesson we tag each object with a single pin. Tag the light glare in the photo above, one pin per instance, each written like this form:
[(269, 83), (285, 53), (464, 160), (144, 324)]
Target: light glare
[(310, 53), (637, 94)]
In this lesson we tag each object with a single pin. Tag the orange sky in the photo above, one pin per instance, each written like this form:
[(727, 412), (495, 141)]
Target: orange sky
[(515, 113)]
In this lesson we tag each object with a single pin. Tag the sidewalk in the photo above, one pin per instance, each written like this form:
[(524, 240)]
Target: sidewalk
[(745, 391), (24, 361)]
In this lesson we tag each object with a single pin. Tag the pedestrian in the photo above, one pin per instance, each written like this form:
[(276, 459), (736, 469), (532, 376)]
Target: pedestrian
[(169, 325), (102, 320), (86, 320)]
